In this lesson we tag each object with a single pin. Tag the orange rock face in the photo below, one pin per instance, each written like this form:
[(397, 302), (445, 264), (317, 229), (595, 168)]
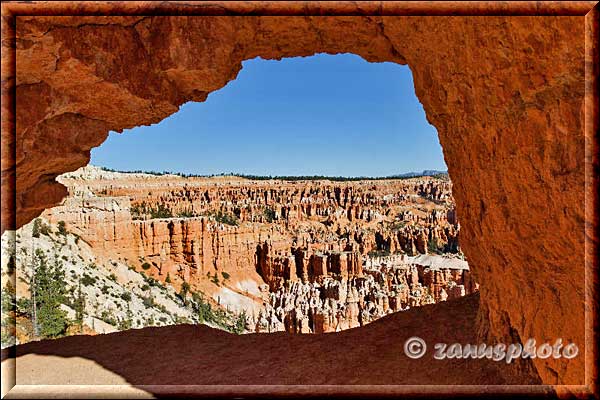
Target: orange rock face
[(506, 95), (306, 256)]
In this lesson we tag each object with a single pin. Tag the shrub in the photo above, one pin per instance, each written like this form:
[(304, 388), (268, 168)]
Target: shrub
[(181, 320), (224, 218), (109, 318), (161, 211), (379, 253), (185, 214), (126, 322), (146, 266), (39, 228), (240, 323), (227, 219), (203, 309), (269, 214), (140, 211), (225, 275), (161, 308), (148, 302), (87, 280), (11, 265), (168, 278), (112, 277), (126, 296), (397, 226), (432, 247), (8, 298), (23, 307), (185, 287), (151, 281), (62, 229)]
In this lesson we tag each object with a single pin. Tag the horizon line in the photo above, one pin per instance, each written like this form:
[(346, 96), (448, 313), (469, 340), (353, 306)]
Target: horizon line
[(409, 174)]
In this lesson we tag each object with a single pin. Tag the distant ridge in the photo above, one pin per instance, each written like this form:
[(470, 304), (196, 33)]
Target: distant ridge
[(427, 172)]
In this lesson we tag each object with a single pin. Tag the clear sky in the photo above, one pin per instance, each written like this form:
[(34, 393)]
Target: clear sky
[(320, 115)]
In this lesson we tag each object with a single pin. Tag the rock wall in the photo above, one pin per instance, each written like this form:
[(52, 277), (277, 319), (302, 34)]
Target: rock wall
[(340, 294), (288, 230), (506, 95), (289, 254), (180, 247)]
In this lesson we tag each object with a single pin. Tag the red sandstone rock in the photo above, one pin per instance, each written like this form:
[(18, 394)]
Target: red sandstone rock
[(506, 95), (310, 261)]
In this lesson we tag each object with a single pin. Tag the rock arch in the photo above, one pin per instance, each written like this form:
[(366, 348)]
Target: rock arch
[(507, 96)]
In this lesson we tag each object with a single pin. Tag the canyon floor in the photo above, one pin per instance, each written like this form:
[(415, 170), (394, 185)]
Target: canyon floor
[(203, 360)]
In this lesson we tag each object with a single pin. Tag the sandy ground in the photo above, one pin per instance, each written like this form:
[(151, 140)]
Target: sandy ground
[(75, 377), (202, 360)]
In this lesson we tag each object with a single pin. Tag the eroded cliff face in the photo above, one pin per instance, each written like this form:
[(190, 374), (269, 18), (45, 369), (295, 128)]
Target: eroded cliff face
[(306, 256), (506, 95)]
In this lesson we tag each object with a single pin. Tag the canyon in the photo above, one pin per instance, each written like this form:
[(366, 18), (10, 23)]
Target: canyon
[(302, 256), (512, 98)]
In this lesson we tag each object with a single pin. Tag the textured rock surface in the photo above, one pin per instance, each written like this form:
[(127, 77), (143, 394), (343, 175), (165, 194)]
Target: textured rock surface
[(506, 95), (330, 303), (114, 296), (305, 256)]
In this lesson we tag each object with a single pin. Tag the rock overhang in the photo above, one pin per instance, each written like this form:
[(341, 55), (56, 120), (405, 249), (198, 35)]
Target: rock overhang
[(506, 95)]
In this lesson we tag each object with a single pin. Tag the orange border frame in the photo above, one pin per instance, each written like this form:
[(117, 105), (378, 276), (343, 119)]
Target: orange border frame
[(589, 9)]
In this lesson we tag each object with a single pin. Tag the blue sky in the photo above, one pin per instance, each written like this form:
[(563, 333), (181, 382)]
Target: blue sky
[(319, 115)]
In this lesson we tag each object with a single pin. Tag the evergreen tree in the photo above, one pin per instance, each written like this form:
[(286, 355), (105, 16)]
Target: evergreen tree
[(240, 323), (79, 305), (48, 293), (62, 228), (35, 231), (185, 288), (11, 266), (8, 314)]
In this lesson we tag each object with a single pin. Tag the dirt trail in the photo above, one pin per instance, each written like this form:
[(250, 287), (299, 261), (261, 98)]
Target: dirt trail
[(199, 355)]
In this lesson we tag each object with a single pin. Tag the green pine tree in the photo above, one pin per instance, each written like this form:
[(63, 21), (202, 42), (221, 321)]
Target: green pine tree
[(79, 305), (240, 323), (50, 290), (185, 288)]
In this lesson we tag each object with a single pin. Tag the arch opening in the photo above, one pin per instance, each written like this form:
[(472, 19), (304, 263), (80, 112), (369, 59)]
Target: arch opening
[(517, 108), (309, 195)]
